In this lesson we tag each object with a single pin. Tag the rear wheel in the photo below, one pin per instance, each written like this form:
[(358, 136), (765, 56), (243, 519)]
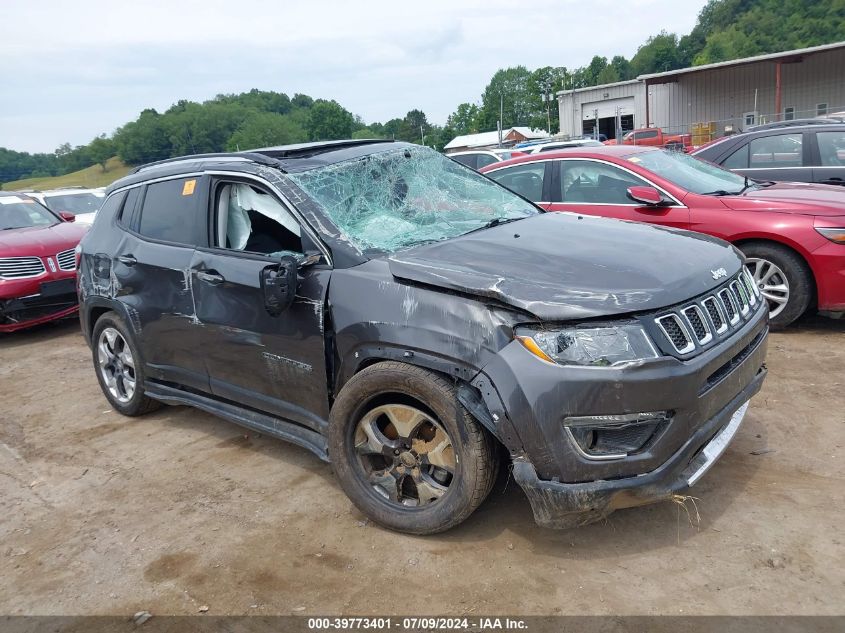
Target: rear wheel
[(406, 452), (118, 366), (784, 279)]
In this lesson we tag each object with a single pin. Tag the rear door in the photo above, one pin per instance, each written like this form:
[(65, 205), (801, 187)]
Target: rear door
[(776, 156), (254, 355), (829, 163), (530, 180), (165, 221), (596, 187), (470, 160)]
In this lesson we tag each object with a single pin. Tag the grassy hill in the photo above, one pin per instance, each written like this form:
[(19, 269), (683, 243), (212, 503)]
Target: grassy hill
[(93, 176)]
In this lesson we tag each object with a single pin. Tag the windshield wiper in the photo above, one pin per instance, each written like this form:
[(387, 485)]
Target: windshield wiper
[(722, 192), (495, 222)]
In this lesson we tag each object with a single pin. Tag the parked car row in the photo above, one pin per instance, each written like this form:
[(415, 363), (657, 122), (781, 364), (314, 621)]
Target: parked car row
[(793, 234)]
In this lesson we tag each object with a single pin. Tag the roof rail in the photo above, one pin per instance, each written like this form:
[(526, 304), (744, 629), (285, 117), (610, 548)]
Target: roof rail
[(316, 147), (794, 123), (250, 156)]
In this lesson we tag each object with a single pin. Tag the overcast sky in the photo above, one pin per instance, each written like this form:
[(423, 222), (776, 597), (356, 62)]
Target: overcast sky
[(72, 70)]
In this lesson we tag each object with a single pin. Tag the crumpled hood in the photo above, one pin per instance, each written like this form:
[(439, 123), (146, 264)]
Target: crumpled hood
[(559, 267), (792, 197), (40, 241)]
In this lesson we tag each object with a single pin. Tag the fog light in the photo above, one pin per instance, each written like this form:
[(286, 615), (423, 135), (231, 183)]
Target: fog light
[(608, 437)]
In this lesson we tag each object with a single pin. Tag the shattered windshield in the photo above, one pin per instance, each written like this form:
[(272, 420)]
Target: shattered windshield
[(409, 195)]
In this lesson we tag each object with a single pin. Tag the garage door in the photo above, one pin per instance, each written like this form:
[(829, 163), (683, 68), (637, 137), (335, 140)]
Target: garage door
[(607, 108)]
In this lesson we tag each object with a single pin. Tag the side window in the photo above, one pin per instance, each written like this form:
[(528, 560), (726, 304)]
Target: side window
[(171, 212), (484, 160), (778, 150), (111, 205), (591, 182), (128, 210), (646, 134), (831, 148), (251, 220), (525, 179), (737, 160), (466, 159)]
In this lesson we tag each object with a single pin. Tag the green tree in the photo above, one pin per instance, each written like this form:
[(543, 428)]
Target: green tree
[(622, 67), (596, 66), (659, 54), (143, 140), (464, 120), (366, 132), (101, 149), (509, 88), (413, 127), (265, 129), (328, 120), (607, 75)]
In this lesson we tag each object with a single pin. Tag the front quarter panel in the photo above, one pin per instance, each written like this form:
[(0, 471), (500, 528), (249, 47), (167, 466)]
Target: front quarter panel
[(376, 317)]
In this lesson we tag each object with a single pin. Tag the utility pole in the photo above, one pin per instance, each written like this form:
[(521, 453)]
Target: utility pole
[(422, 135), (501, 115)]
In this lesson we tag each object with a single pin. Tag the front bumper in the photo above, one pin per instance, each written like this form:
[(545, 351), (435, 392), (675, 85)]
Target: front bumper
[(530, 399), (557, 505), (27, 303)]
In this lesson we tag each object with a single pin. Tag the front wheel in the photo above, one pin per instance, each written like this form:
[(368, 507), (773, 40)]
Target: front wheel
[(783, 278), (405, 451)]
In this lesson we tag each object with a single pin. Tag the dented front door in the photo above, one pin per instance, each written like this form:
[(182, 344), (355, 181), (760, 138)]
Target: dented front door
[(272, 363)]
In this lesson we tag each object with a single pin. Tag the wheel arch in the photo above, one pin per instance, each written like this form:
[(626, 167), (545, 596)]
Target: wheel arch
[(783, 242), (474, 392), (95, 307)]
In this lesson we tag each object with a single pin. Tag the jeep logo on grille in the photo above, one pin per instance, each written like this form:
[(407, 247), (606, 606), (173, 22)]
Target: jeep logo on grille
[(719, 273)]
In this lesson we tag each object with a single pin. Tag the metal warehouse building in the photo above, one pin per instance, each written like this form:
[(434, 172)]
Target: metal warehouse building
[(802, 83)]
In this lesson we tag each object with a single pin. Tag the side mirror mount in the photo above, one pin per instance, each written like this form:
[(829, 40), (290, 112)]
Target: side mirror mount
[(309, 259), (649, 196), (278, 285), (67, 216)]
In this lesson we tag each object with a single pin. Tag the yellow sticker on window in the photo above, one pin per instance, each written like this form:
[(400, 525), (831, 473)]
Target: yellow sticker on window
[(188, 187)]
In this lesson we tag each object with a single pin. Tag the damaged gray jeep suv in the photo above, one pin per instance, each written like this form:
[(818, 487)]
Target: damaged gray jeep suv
[(413, 321)]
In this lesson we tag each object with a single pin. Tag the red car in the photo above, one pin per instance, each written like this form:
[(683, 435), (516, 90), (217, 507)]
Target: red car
[(793, 234), (37, 263)]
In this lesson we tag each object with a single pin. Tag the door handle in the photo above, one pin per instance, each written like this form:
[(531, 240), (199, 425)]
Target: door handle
[(210, 277), (127, 260)]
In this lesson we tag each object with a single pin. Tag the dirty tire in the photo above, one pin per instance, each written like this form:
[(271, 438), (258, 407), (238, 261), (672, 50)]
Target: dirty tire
[(798, 276), (475, 450), (139, 403)]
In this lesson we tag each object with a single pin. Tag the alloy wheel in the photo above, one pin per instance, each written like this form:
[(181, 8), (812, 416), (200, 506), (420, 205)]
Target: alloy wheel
[(117, 365), (406, 455), (772, 282)]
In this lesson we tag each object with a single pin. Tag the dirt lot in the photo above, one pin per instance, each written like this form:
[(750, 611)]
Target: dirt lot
[(101, 514)]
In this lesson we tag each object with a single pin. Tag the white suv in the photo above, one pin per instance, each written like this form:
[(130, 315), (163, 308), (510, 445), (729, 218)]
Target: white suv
[(83, 203)]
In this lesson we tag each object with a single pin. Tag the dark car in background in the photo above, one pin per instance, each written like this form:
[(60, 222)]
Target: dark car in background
[(405, 317), (781, 152), (37, 263)]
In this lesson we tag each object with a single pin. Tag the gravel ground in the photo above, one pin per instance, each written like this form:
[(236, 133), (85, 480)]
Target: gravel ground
[(178, 511)]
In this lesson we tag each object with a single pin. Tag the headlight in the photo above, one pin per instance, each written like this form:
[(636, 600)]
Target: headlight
[(597, 346), (833, 234)]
